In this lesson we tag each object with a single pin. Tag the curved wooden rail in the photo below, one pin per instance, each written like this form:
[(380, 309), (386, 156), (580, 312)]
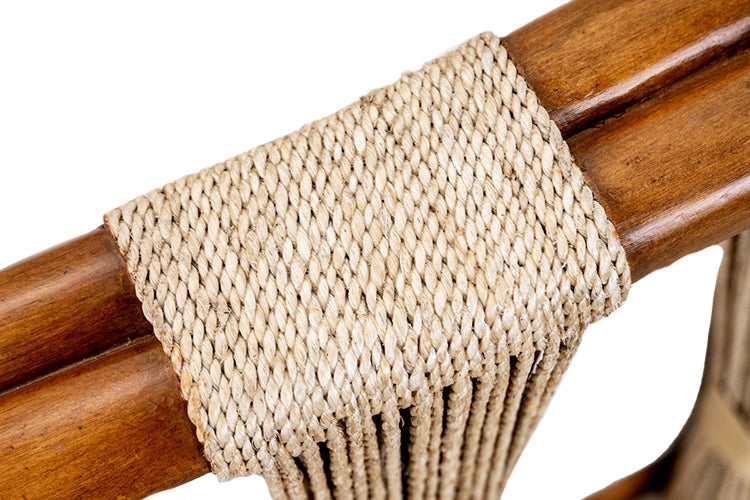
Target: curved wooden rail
[(58, 308), (673, 173), (591, 58), (113, 427), (659, 124)]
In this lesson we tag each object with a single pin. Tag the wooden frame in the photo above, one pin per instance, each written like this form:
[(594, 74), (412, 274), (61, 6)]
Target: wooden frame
[(655, 110)]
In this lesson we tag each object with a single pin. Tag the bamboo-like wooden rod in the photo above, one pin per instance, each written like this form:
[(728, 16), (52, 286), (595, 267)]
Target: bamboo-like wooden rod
[(91, 406), (673, 173), (113, 427), (591, 58), (63, 305), (114, 392)]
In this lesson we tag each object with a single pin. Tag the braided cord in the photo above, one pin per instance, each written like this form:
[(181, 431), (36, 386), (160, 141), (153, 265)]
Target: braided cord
[(411, 273)]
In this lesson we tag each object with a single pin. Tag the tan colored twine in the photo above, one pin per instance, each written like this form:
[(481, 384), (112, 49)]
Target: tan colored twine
[(381, 303), (725, 431), (713, 452)]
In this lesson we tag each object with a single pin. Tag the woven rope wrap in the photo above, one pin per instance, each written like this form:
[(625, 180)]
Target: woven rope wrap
[(411, 272)]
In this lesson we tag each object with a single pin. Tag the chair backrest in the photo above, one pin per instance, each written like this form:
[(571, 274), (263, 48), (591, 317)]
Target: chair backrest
[(656, 119)]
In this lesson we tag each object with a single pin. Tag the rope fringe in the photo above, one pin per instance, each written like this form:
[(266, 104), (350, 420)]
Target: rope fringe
[(382, 303)]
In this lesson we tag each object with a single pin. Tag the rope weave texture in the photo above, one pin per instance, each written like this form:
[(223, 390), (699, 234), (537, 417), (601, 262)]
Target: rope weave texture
[(383, 302)]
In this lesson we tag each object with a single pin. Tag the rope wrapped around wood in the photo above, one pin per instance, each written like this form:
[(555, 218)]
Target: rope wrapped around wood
[(381, 303)]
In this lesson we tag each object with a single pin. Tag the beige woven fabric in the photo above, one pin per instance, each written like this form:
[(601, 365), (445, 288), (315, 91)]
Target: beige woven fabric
[(381, 303), (713, 453)]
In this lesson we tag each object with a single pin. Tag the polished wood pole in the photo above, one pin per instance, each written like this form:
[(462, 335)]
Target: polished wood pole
[(673, 172), (592, 58), (63, 305), (653, 98), (112, 427), (90, 406)]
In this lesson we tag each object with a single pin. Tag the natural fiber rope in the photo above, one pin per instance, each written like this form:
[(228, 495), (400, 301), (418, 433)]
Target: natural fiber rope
[(381, 303), (724, 431), (713, 452)]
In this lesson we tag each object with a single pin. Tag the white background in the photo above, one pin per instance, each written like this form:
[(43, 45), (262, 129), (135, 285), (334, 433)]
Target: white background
[(100, 103)]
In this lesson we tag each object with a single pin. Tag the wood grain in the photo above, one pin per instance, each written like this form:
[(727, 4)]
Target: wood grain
[(111, 427), (673, 173), (63, 305), (590, 58)]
